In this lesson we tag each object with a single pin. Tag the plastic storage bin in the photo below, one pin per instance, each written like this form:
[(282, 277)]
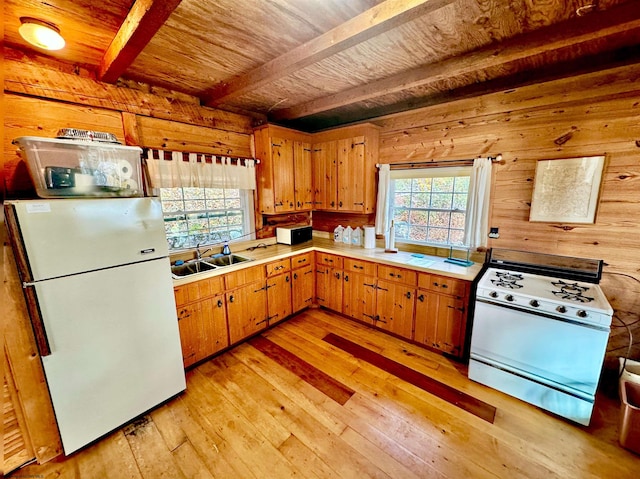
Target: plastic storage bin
[(630, 417), (61, 168)]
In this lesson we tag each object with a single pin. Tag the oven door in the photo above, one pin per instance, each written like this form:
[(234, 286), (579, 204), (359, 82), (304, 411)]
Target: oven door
[(550, 351)]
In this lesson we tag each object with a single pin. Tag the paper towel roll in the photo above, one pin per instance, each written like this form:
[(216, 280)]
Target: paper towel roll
[(124, 169), (369, 237)]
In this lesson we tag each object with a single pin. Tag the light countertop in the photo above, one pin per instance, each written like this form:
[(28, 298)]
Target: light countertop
[(273, 252)]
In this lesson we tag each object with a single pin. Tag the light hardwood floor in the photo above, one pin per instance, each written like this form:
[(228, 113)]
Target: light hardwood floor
[(246, 416)]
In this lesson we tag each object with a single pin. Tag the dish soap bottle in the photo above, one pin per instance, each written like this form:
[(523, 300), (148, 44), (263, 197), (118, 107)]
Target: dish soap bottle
[(346, 235), (356, 237), (337, 234)]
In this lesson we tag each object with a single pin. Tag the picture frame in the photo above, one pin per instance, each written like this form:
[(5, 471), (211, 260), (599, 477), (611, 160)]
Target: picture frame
[(567, 190)]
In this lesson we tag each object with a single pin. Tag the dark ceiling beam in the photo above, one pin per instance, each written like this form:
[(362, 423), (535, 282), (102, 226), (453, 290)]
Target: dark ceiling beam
[(601, 64), (622, 20), (143, 21), (375, 21)]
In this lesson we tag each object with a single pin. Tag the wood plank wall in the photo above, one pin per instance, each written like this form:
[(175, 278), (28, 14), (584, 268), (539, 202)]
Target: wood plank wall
[(593, 114)]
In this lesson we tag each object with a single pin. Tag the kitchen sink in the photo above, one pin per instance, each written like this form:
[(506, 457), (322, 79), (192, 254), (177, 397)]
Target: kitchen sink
[(226, 260), (206, 264), (191, 267)]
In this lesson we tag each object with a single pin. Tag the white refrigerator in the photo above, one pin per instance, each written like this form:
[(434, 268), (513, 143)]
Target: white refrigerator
[(97, 281)]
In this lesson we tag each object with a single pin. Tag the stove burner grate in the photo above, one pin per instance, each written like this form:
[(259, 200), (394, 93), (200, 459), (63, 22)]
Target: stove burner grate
[(571, 291), (507, 280)]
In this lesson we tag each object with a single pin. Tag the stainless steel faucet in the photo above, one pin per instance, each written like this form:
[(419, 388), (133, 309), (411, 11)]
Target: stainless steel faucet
[(225, 249), (199, 253)]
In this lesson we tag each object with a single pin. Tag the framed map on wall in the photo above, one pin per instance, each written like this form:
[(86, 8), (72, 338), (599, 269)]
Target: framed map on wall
[(567, 190)]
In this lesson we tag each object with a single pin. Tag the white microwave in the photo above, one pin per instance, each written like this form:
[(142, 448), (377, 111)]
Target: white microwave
[(293, 234)]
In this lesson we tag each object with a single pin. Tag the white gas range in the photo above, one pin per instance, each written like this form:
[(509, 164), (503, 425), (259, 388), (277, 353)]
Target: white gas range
[(540, 331)]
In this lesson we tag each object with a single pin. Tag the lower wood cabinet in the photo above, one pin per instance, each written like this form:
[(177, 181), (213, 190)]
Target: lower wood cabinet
[(441, 313), (203, 329), (202, 319), (278, 291), (302, 287), (247, 310), (395, 308)]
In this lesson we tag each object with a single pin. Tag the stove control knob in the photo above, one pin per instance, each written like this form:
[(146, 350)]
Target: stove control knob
[(534, 303), (493, 294), (508, 297), (582, 313), (561, 309)]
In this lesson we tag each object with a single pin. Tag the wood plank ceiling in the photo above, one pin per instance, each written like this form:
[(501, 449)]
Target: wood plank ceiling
[(313, 64)]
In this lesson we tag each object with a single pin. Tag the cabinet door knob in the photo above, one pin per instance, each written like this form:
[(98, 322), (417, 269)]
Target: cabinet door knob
[(340, 204), (219, 303), (421, 298), (408, 295), (346, 277), (287, 278), (231, 299), (337, 275), (295, 275)]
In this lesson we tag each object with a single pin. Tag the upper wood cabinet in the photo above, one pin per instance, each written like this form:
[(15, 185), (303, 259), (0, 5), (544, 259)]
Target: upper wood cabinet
[(344, 172), (284, 177)]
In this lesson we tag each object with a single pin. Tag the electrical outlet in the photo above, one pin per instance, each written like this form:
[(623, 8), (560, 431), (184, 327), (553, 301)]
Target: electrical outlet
[(493, 233)]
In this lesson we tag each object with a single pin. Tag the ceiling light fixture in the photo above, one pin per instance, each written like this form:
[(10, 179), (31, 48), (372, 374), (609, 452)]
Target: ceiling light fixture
[(41, 34)]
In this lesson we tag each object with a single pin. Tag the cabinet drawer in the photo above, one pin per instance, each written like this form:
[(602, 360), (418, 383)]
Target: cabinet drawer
[(197, 290), (331, 260), (240, 278), (278, 267), (400, 275), (300, 260), (443, 284), (359, 266)]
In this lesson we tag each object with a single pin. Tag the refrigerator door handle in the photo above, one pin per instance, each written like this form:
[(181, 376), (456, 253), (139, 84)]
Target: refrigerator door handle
[(36, 319)]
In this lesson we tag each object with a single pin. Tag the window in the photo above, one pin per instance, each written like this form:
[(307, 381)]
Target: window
[(429, 206), (206, 215)]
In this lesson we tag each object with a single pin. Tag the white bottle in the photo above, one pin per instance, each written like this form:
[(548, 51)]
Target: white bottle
[(346, 235), (356, 237), (338, 233)]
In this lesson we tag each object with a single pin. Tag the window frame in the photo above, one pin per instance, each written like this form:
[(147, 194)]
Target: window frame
[(247, 202), (433, 172)]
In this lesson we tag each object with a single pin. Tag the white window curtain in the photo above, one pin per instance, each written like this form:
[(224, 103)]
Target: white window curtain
[(477, 223), (177, 173), (382, 205)]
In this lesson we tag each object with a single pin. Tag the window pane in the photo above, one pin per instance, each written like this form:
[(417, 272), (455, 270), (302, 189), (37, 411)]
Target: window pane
[(420, 200), (402, 199), (419, 218), (402, 185), (457, 220), (421, 184), (418, 233), (462, 184), (439, 218), (212, 215), (431, 209), (441, 201), (456, 237), (443, 184), (438, 235), (460, 201)]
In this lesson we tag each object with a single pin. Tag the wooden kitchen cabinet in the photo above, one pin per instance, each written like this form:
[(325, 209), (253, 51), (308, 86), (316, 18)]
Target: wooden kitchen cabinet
[(329, 279), (303, 281), (278, 290), (203, 329), (441, 313), (344, 173), (202, 319), (284, 179), (246, 302), (395, 300), (359, 290), (324, 157)]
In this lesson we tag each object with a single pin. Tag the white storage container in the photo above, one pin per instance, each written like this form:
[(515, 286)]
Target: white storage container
[(71, 168)]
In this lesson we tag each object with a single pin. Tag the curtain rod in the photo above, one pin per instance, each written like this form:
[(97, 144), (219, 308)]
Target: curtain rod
[(185, 155), (428, 164)]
